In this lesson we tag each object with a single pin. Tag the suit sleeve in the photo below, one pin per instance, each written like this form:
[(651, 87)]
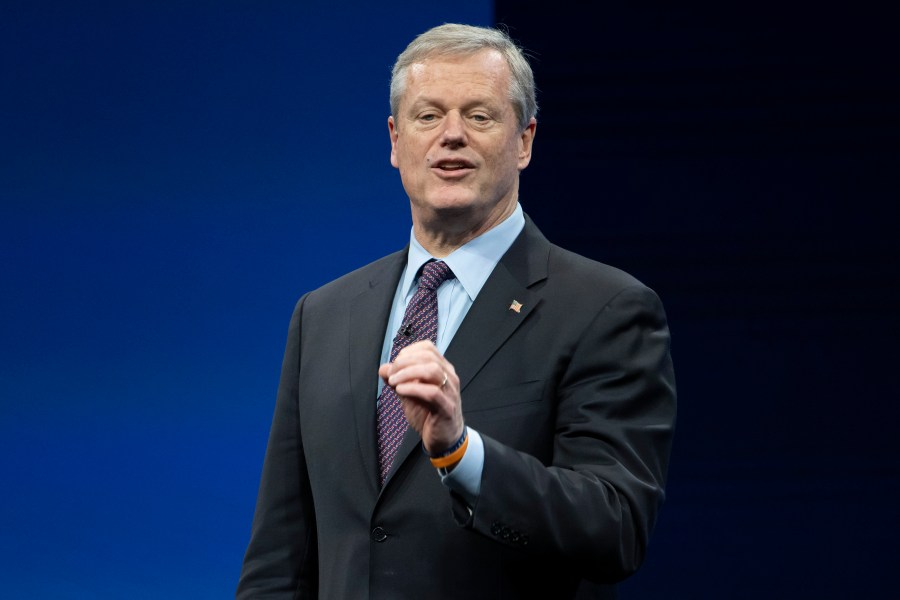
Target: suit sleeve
[(594, 506), (281, 560)]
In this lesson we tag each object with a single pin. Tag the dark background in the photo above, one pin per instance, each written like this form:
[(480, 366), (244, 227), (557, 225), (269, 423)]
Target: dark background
[(169, 173), (742, 162)]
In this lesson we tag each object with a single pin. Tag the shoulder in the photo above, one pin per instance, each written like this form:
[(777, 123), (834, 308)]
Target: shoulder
[(599, 280), (533, 258), (583, 283), (571, 280), (566, 264), (385, 270)]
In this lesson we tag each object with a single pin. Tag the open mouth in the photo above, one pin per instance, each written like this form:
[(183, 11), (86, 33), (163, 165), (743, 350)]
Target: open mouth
[(453, 165)]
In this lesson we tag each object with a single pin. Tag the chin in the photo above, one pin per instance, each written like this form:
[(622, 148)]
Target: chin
[(451, 204)]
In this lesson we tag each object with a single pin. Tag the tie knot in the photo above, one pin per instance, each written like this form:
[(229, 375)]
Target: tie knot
[(434, 273)]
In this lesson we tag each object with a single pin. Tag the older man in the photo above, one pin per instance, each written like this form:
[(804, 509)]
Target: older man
[(513, 442)]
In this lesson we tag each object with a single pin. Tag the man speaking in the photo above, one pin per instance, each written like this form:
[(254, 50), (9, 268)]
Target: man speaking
[(482, 414)]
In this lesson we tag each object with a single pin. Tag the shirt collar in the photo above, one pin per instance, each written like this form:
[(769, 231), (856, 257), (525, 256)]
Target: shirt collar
[(473, 262)]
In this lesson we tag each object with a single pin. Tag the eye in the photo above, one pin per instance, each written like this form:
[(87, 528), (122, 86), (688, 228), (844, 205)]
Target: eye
[(427, 117), (481, 119)]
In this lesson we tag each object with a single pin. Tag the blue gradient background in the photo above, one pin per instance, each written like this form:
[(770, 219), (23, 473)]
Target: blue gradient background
[(170, 173)]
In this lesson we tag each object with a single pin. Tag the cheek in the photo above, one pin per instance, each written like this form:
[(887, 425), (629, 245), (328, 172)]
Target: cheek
[(400, 157), (410, 174), (410, 154)]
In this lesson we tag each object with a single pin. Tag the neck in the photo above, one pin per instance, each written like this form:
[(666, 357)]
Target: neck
[(443, 233)]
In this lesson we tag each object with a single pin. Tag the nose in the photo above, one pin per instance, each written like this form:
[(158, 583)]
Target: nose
[(454, 130)]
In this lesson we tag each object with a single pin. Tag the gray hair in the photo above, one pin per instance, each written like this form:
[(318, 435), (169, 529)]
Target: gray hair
[(452, 39)]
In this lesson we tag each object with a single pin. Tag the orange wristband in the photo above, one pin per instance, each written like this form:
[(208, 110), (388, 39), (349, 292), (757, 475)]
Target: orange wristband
[(442, 462)]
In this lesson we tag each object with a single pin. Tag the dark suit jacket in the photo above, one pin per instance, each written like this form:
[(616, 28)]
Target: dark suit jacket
[(574, 396)]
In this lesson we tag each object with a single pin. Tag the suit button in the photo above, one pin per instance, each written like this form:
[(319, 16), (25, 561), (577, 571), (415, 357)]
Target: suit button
[(379, 534)]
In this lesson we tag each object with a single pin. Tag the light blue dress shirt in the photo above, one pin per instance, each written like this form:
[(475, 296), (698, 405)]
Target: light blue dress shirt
[(472, 264)]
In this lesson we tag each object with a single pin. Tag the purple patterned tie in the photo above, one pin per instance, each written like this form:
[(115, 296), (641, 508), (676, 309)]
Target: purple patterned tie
[(419, 323)]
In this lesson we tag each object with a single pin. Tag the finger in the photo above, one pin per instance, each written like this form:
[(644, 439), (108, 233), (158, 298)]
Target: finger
[(385, 370), (423, 358), (421, 350), (424, 393), (423, 372), (439, 402), (424, 345)]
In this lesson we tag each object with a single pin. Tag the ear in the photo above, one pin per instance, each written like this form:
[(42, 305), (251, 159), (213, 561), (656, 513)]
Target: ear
[(392, 129), (526, 140)]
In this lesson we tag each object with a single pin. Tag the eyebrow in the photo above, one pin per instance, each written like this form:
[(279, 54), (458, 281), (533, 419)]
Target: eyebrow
[(436, 101)]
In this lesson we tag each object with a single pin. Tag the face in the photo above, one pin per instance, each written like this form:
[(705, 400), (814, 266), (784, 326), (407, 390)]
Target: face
[(456, 140)]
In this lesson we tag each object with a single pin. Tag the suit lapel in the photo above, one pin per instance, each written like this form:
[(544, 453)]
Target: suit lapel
[(369, 314), (489, 323), (491, 320)]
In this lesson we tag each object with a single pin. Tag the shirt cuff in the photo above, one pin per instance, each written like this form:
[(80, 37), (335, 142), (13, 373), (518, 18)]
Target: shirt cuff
[(465, 478)]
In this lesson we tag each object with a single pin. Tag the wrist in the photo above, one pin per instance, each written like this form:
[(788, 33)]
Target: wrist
[(452, 455)]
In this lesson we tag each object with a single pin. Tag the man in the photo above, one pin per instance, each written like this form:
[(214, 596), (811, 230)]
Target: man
[(512, 445)]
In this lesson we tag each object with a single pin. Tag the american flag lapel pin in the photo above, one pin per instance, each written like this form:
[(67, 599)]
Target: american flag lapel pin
[(516, 306)]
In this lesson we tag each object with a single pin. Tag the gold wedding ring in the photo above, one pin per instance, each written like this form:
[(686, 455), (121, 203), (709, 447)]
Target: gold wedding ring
[(444, 382)]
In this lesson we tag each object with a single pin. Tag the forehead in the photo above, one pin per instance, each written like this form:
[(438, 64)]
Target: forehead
[(484, 72)]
